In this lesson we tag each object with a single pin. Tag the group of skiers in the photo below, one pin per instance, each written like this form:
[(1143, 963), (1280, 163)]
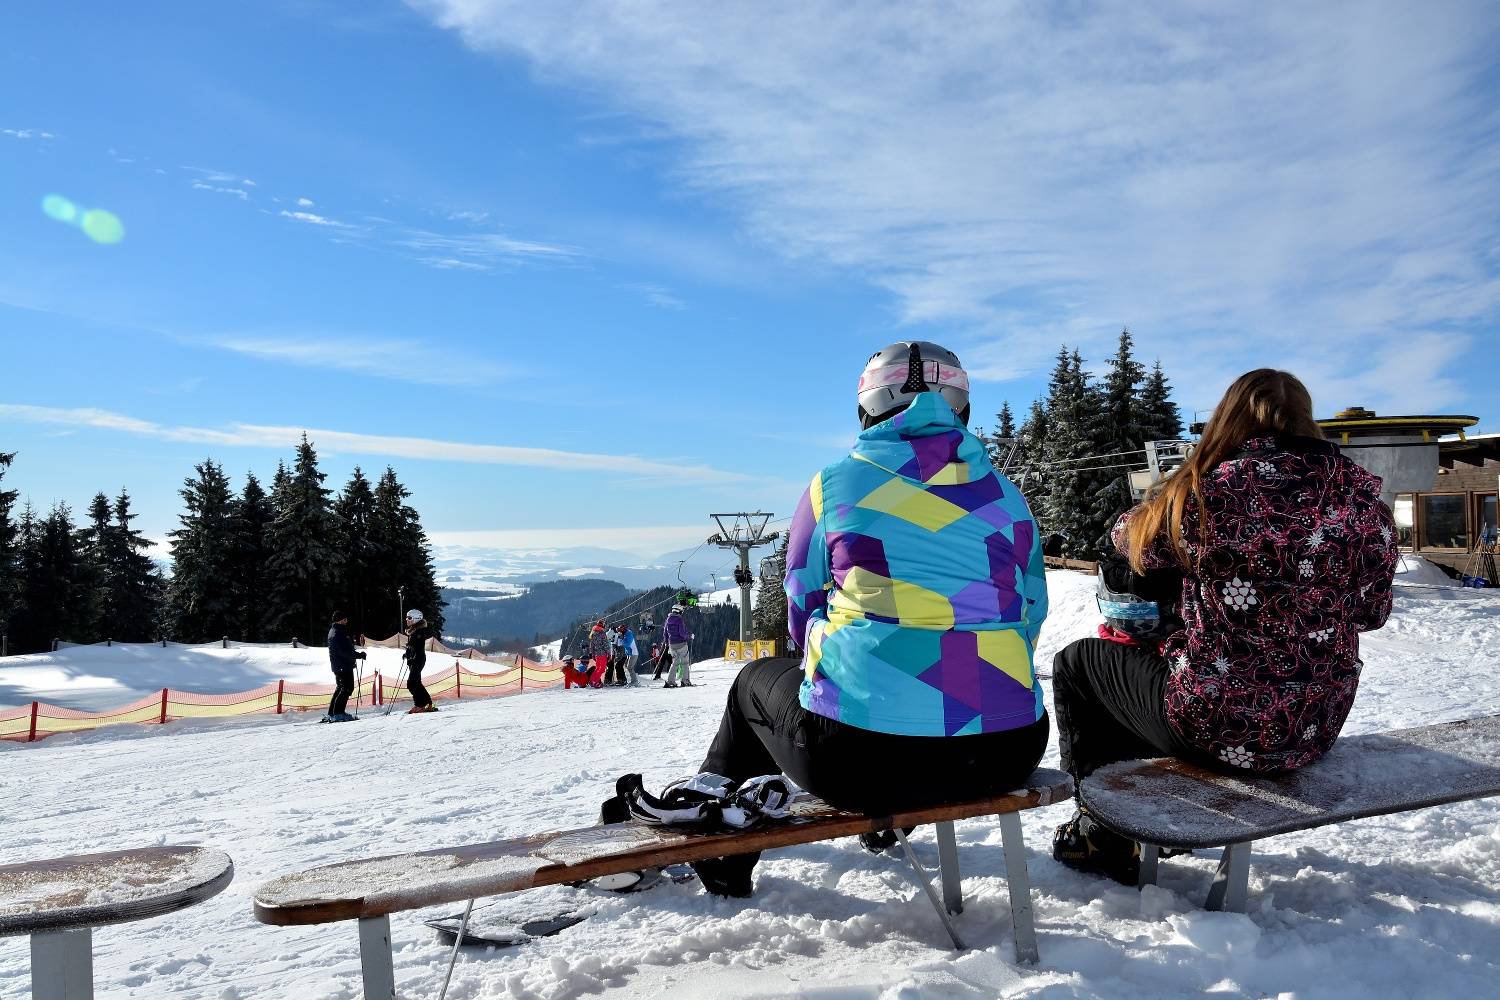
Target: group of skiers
[(613, 653), (343, 658), (916, 588)]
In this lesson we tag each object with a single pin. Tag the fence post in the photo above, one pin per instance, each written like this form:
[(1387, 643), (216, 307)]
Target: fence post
[(109, 641), (379, 700), (4, 645), (164, 706), (226, 642), (294, 642), (458, 680), (31, 737), (280, 687), (54, 644)]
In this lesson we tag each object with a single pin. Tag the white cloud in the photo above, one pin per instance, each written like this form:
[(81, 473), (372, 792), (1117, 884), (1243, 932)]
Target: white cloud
[(427, 449), (472, 217), (239, 193), (483, 248), (1286, 183), (26, 133), (658, 296), (452, 263), (314, 219), (649, 541), (305, 203), (403, 360)]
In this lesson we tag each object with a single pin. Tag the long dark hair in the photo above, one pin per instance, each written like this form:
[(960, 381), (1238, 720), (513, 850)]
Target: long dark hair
[(1259, 403)]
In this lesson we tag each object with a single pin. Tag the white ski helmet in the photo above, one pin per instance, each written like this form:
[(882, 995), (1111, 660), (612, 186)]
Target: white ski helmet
[(414, 615), (896, 374)]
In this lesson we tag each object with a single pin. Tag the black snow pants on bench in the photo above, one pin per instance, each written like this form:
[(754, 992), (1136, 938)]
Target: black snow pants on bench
[(765, 730)]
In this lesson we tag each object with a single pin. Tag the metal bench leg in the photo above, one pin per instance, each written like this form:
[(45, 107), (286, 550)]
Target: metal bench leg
[(953, 880), (463, 926), (920, 875), (1150, 854), (62, 965), (1014, 844), (375, 958), (1231, 887)]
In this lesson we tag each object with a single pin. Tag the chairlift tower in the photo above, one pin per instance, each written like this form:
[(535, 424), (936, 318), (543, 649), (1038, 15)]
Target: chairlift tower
[(742, 532)]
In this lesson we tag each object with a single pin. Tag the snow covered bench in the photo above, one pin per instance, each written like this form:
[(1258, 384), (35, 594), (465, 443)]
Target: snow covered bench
[(368, 891), (1168, 803), (60, 901)]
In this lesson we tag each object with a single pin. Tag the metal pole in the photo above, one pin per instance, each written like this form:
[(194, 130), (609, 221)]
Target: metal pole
[(745, 635)]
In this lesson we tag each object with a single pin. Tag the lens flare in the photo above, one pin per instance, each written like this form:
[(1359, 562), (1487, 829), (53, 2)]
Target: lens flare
[(55, 206), (102, 226)]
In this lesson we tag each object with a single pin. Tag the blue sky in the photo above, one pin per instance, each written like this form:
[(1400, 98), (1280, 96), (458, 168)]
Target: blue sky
[(585, 272)]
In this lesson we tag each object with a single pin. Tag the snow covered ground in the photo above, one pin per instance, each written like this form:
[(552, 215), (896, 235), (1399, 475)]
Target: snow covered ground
[(1402, 906)]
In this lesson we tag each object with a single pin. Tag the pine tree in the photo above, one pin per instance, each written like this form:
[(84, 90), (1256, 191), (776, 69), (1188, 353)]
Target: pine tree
[(769, 617), (1120, 437), (137, 587), (1000, 443), (1006, 421), (1160, 418), (305, 560), (250, 552), (363, 556), (1073, 429), (9, 551), (203, 600), (95, 612), (405, 561), (51, 580)]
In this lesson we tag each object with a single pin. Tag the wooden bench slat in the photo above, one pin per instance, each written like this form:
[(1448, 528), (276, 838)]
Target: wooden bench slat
[(380, 886), (94, 890), (1171, 803)]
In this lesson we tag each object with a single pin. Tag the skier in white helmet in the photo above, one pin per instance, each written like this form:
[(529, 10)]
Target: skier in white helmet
[(417, 634)]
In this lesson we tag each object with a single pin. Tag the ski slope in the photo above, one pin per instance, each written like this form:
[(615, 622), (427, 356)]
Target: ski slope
[(1401, 906)]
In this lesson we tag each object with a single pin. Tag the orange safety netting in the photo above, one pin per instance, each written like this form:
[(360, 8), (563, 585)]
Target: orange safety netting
[(38, 721)]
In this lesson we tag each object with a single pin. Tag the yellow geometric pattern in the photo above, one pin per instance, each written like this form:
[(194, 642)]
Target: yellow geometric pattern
[(900, 499), (865, 593), (1007, 650)]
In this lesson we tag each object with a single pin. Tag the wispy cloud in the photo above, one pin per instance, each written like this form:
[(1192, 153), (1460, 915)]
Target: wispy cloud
[(657, 296), (485, 249), (26, 133), (402, 360), (239, 193), (305, 203), (212, 175), (426, 449), (1260, 178), (314, 219), (470, 216)]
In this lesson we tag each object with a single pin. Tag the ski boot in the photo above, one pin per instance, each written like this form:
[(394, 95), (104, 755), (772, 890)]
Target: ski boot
[(1085, 844), (670, 684)]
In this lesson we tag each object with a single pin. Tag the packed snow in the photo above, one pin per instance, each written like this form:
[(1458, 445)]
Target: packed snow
[(1396, 906)]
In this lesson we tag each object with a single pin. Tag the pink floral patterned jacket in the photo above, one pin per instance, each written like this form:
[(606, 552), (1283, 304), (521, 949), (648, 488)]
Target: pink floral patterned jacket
[(1297, 559)]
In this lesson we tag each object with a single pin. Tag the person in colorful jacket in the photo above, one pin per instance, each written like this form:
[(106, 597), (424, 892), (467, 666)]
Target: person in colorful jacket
[(1287, 553), (599, 653), (632, 656), (679, 642), (915, 587)]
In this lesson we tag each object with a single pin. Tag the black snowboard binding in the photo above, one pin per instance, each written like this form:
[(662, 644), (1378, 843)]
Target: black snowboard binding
[(1085, 844)]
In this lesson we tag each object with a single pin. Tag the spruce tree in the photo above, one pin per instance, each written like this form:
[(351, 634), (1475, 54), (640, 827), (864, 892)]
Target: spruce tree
[(9, 551), (95, 610), (1160, 418), (362, 553), (405, 561), (51, 580), (203, 600), (250, 552), (1120, 438), (1073, 430), (1006, 421), (769, 618), (137, 587), (305, 560)]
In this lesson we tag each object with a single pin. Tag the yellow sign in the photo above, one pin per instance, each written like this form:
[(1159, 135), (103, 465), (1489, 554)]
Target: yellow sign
[(736, 652)]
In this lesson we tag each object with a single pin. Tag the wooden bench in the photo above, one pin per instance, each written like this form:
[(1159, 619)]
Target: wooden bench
[(368, 891), (60, 901), (1167, 803)]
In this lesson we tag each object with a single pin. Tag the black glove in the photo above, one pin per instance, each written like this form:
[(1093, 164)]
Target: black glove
[(361, 655)]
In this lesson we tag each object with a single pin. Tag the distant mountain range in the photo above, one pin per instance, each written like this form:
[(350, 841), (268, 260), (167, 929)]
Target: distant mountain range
[(509, 571)]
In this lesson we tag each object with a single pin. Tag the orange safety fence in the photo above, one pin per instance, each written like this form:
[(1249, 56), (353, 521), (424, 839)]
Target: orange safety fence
[(39, 720)]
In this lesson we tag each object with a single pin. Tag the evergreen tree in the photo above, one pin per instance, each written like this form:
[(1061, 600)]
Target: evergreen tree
[(51, 580), (137, 589), (405, 561), (1006, 421), (1073, 429), (305, 560), (9, 551), (999, 444), (95, 585), (769, 618), (250, 552), (203, 599), (1121, 434), (1160, 418), (357, 589)]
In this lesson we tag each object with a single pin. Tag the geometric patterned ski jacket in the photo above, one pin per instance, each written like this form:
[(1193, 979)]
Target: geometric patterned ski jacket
[(1297, 559), (915, 584)]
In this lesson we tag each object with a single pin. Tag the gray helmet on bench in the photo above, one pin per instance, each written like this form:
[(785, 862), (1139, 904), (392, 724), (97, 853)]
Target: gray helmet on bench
[(896, 374)]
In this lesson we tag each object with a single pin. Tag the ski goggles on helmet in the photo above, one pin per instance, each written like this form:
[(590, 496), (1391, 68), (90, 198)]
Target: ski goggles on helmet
[(934, 373)]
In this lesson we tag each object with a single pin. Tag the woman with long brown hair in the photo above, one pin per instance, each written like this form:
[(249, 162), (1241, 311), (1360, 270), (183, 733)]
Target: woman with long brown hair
[(1287, 553)]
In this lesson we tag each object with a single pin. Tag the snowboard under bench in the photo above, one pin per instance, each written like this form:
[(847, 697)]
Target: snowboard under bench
[(60, 901), (1168, 803), (368, 891)]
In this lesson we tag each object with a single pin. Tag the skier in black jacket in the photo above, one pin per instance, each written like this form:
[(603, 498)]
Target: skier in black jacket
[(417, 634), (342, 657)]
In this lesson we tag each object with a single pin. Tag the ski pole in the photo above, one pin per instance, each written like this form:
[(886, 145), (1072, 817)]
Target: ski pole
[(359, 687), (400, 675)]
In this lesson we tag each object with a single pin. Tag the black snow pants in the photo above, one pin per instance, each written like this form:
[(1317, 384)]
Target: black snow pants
[(343, 687), (419, 696), (765, 730), (1110, 701)]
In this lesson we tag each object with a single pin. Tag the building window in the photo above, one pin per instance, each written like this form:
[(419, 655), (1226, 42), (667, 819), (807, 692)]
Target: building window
[(1445, 524), (1405, 527), (1485, 521)]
